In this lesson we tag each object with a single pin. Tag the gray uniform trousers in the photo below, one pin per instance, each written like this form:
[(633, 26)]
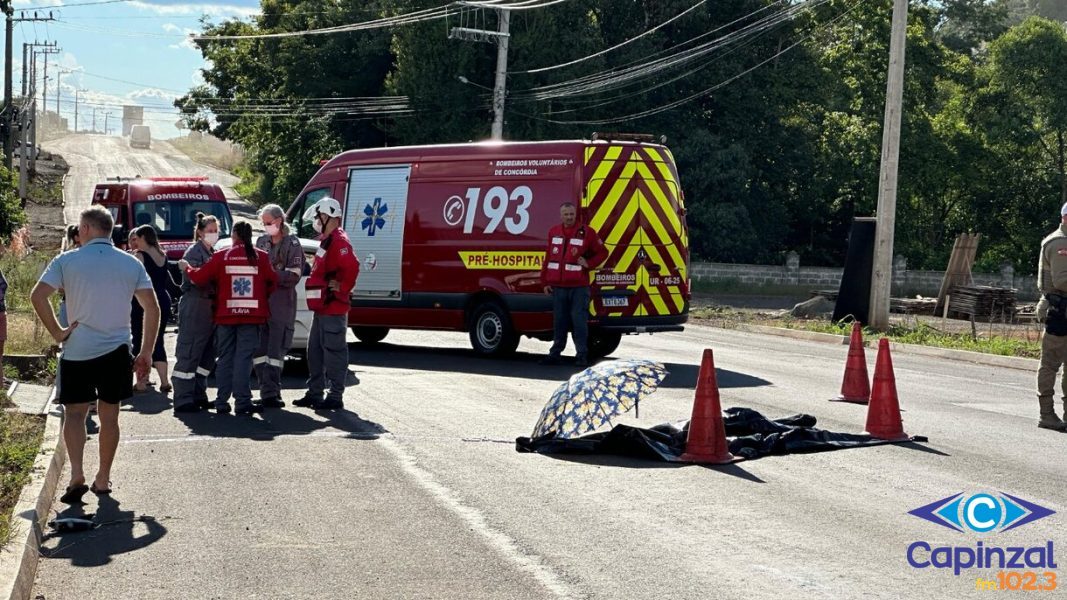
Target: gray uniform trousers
[(276, 337), (570, 311), (195, 352), (235, 344), (327, 356), (1053, 358)]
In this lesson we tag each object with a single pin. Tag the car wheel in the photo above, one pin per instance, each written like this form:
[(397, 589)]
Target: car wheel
[(603, 343), (491, 331), (370, 335)]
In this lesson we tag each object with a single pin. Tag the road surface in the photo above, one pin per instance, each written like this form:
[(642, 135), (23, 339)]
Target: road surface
[(416, 491), (94, 158)]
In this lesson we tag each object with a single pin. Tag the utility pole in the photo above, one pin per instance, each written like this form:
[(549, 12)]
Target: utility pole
[(9, 124), (48, 48), (59, 82), (882, 275), (94, 119), (500, 87), (76, 92), (501, 36), (106, 115)]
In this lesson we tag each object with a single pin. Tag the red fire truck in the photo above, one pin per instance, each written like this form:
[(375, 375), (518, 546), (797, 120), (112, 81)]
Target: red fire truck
[(168, 203), (451, 237)]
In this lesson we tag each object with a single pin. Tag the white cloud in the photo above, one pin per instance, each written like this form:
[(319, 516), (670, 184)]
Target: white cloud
[(153, 94), (32, 3), (187, 42), (212, 10), (171, 28)]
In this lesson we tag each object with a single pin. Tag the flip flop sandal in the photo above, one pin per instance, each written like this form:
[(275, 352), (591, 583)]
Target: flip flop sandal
[(98, 491), (74, 494)]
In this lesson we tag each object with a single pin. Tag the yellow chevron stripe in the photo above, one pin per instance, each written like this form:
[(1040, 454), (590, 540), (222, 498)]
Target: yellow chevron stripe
[(661, 198), (613, 198), (629, 213), (661, 165), (654, 254), (602, 170), (653, 293)]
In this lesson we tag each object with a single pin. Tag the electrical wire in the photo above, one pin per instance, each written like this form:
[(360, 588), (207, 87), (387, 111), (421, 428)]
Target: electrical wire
[(616, 46), (613, 79), (428, 14), (705, 92)]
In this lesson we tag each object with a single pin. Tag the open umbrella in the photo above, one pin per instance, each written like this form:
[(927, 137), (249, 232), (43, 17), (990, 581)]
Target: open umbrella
[(590, 399)]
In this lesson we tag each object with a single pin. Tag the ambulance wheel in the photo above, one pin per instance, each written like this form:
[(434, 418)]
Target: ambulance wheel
[(491, 332), (370, 335), (603, 343)]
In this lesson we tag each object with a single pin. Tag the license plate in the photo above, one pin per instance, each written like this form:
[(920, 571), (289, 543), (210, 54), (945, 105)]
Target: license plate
[(616, 301)]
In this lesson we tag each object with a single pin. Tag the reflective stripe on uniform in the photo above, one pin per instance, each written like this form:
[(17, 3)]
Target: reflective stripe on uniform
[(557, 240), (259, 360), (320, 252), (574, 267), (553, 265), (575, 242), (241, 270), (201, 371), (183, 375), (242, 304), (314, 294), (276, 362)]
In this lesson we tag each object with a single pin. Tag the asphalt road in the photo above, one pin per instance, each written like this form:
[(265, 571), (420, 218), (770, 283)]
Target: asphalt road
[(94, 158), (416, 490)]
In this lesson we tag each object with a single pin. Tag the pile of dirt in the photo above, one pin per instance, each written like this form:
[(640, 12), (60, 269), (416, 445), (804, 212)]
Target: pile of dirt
[(44, 204)]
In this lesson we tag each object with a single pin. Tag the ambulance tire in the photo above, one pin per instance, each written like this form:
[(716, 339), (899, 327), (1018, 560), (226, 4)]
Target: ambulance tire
[(370, 335), (491, 332), (603, 343)]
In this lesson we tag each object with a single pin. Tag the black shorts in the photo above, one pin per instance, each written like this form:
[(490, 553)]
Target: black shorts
[(108, 378)]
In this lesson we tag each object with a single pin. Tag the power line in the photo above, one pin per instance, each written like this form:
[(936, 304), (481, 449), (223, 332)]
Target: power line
[(616, 46), (428, 14), (96, 3), (705, 92), (619, 78)]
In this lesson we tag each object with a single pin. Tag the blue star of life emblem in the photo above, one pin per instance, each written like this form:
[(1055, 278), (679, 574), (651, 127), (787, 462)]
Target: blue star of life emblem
[(242, 286), (375, 213)]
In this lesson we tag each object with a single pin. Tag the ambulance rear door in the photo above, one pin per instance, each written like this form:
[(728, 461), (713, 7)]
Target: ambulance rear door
[(375, 210)]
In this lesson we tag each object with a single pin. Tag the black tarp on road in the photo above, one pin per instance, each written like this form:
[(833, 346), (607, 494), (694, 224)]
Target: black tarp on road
[(750, 434)]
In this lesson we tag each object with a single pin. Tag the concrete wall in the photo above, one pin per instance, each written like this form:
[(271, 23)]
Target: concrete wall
[(905, 283)]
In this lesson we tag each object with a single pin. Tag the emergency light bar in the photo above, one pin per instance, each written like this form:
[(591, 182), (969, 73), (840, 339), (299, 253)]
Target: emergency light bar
[(645, 138), (177, 178)]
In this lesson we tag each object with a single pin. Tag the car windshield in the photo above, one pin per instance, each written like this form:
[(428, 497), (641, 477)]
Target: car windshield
[(175, 220)]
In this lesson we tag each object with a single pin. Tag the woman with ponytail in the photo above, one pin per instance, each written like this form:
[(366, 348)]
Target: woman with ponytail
[(196, 329), (244, 278), (144, 242)]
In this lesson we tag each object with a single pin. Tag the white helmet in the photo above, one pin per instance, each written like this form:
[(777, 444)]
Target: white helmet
[(325, 206)]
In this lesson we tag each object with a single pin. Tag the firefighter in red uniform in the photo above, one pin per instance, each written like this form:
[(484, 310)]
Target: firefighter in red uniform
[(328, 290), (244, 278), (574, 250)]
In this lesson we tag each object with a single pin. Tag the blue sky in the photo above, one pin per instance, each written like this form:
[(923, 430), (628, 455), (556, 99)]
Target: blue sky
[(141, 42)]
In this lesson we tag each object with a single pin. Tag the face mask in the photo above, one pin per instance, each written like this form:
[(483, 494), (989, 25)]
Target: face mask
[(211, 238), (272, 229), (317, 225)]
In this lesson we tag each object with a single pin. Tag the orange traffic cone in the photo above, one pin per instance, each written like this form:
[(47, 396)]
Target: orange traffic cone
[(707, 433), (855, 387), (883, 414)]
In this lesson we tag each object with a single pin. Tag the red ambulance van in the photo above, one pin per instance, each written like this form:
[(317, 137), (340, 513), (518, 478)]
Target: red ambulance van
[(168, 203), (451, 237)]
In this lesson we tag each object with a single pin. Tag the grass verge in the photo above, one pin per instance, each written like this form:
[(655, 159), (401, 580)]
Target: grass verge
[(1015, 342), (20, 441)]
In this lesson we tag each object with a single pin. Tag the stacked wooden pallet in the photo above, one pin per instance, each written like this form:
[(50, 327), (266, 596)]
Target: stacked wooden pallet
[(913, 306), (983, 302)]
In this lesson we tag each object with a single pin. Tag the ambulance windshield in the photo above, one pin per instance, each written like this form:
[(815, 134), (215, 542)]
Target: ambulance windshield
[(175, 220)]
